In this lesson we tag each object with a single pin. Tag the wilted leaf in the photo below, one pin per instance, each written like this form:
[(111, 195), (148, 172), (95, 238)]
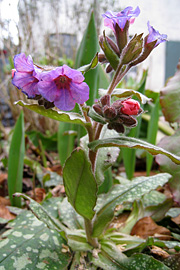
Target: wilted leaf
[(146, 227)]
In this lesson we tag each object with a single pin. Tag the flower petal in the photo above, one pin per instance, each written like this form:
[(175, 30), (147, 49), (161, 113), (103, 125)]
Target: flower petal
[(48, 90), (155, 35), (73, 74), (52, 74), (23, 64), (65, 101), (80, 92)]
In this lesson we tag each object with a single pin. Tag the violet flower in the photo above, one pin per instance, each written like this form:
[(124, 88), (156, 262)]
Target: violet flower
[(63, 86), (155, 35), (111, 18), (26, 75)]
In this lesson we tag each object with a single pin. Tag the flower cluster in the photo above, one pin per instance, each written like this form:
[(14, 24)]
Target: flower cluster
[(132, 51), (121, 113), (62, 87)]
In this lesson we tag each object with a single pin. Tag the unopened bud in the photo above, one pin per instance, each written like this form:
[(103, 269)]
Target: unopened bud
[(130, 107), (98, 109), (105, 100), (127, 120), (113, 46), (102, 58), (109, 112), (133, 49), (117, 127), (109, 69)]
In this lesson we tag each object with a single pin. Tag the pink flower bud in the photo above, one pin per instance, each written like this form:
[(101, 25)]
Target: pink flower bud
[(130, 107), (13, 72)]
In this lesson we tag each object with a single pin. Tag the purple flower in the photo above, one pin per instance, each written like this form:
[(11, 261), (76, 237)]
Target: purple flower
[(63, 86), (111, 18), (155, 35), (26, 76)]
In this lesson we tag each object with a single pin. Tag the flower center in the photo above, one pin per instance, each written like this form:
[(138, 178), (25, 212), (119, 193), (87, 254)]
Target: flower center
[(62, 82)]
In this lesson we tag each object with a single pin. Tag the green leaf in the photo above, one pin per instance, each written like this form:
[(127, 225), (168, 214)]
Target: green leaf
[(65, 142), (77, 241), (69, 216), (170, 98), (105, 156), (173, 212), (125, 193), (30, 245), (109, 53), (135, 262), (96, 117), (125, 93), (152, 133), (92, 65), (68, 117), (126, 241), (173, 261), (86, 51), (80, 184), (136, 214), (16, 161), (49, 142), (129, 142), (42, 214)]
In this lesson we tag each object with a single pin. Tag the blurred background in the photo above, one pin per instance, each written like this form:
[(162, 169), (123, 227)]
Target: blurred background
[(51, 31)]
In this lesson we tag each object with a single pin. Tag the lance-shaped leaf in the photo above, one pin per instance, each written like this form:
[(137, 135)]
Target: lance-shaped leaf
[(16, 161), (121, 193), (130, 142), (80, 184), (125, 93), (88, 48), (42, 214), (70, 117)]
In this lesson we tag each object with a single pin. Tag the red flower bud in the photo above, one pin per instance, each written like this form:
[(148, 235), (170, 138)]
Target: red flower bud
[(130, 107)]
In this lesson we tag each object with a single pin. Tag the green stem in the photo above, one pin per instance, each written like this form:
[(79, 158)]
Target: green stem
[(88, 228)]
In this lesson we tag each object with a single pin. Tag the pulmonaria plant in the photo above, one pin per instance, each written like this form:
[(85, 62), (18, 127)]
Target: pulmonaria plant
[(84, 169)]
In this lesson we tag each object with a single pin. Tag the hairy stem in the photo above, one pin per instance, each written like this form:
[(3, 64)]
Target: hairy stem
[(88, 228)]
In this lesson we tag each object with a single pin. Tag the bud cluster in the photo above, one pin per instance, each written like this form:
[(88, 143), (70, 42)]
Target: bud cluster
[(121, 113)]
